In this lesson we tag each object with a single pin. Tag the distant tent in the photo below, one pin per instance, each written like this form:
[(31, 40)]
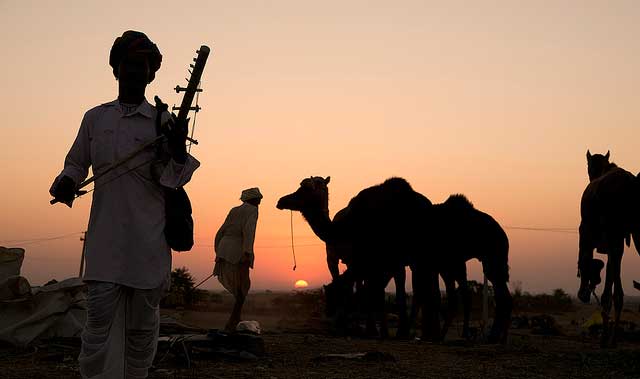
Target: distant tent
[(28, 314)]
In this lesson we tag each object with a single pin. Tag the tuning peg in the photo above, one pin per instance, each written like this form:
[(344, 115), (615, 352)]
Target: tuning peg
[(190, 72), (194, 59), (192, 66)]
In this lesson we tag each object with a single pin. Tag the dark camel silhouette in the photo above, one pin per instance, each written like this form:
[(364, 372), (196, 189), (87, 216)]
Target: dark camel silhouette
[(377, 235), (610, 212), (339, 293), (458, 233)]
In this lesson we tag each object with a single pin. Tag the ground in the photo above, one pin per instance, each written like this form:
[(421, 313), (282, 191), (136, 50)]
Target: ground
[(296, 342)]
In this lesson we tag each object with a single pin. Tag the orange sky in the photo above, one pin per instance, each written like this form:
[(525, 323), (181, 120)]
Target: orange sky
[(496, 100)]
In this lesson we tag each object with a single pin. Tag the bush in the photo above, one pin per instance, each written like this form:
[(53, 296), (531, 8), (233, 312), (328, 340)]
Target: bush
[(557, 301), (182, 292)]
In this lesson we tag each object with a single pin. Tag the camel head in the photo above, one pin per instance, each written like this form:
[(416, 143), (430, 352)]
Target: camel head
[(597, 164), (590, 277), (313, 194)]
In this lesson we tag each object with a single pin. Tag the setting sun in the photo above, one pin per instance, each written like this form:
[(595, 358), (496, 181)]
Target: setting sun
[(301, 284)]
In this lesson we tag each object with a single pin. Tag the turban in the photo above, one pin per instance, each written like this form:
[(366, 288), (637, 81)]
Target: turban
[(251, 193), (135, 42)]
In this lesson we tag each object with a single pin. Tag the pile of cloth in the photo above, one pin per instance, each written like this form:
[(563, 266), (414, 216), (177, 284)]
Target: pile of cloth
[(29, 314)]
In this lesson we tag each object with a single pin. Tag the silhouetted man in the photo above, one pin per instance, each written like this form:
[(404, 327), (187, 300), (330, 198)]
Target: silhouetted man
[(128, 260), (234, 251)]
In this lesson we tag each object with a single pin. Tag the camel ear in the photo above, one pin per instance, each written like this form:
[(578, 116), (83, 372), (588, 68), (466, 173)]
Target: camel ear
[(588, 154), (607, 155), (327, 180)]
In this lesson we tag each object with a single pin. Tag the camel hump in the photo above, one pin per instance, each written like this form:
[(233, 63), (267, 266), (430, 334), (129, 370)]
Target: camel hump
[(459, 201), (397, 184)]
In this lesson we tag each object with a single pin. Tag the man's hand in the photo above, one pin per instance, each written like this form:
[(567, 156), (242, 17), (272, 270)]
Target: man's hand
[(65, 191), (176, 133)]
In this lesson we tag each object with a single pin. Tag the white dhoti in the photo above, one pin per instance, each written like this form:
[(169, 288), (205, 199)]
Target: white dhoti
[(233, 277), (120, 337)]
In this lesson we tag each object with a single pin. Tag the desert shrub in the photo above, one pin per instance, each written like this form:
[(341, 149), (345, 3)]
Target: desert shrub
[(557, 301), (182, 292)]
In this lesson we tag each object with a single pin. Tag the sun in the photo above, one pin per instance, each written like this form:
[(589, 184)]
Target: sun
[(301, 284)]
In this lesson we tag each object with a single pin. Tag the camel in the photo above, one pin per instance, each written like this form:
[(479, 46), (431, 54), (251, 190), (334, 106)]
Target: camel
[(460, 232), (364, 235), (610, 217)]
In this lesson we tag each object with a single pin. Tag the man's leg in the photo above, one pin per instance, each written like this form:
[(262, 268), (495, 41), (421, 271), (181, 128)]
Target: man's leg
[(243, 283), (102, 355), (142, 329)]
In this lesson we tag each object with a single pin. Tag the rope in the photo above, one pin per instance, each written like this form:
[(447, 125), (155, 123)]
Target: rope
[(207, 278), (118, 176), (37, 240), (293, 250), (552, 230)]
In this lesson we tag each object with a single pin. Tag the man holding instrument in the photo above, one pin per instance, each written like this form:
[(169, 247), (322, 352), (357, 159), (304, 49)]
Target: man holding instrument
[(128, 260)]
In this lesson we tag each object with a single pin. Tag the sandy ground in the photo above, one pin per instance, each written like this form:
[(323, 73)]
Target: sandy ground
[(296, 343)]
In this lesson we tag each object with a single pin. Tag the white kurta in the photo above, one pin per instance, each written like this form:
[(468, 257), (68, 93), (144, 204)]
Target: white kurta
[(236, 235), (125, 240)]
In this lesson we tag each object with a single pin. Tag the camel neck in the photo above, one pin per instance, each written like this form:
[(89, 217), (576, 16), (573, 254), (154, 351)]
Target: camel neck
[(320, 222)]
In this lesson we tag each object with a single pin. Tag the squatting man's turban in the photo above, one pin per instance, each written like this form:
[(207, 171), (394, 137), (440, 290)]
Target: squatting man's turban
[(251, 193), (132, 42)]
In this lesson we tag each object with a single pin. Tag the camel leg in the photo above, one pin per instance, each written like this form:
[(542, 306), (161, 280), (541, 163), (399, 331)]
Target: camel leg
[(466, 300), (369, 298), (605, 302), (504, 304), (415, 299), (452, 301), (618, 297), (399, 279), (379, 310), (382, 315), (375, 306), (378, 302), (430, 299)]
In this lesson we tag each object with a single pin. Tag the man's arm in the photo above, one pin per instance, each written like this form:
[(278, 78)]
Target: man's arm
[(76, 165), (249, 233), (220, 233)]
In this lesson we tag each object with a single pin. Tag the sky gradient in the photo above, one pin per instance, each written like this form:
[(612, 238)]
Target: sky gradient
[(498, 100)]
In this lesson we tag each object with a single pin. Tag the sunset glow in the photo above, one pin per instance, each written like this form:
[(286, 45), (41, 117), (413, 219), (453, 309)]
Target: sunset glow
[(498, 101)]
